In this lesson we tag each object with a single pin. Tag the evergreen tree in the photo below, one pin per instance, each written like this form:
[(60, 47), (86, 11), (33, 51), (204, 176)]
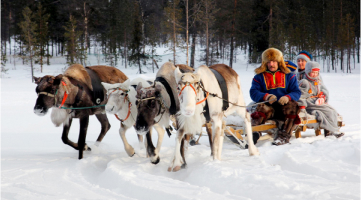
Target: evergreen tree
[(172, 23), (41, 34), (28, 27), (74, 51), (137, 41)]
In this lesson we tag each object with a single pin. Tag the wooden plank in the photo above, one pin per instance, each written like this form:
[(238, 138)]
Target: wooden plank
[(298, 132), (263, 127), (312, 121)]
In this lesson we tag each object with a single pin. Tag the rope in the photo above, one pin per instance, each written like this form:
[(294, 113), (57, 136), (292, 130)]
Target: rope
[(82, 107), (215, 95)]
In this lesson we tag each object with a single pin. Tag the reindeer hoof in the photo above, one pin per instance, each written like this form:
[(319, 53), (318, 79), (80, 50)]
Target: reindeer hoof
[(176, 168), (169, 169), (132, 155), (192, 142), (339, 135), (156, 161), (184, 165), (86, 148)]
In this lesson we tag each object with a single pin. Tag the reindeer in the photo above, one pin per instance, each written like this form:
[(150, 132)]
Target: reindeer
[(157, 103), (192, 99), (73, 95), (121, 103)]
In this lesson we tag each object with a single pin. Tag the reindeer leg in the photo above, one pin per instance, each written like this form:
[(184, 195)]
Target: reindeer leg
[(217, 140), (141, 141), (128, 148), (177, 161), (209, 132), (151, 149), (64, 137), (182, 153), (84, 122), (103, 119), (252, 149), (161, 132)]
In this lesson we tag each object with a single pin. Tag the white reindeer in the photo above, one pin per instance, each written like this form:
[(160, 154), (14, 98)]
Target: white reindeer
[(192, 100), (121, 102)]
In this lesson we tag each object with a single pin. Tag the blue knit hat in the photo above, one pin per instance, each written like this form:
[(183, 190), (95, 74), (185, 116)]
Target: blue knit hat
[(290, 65), (304, 55)]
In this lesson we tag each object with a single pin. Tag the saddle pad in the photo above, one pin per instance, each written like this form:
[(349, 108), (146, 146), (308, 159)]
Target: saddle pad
[(223, 85), (98, 92), (173, 108)]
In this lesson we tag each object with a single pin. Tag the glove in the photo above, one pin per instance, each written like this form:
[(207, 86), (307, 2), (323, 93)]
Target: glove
[(271, 98), (320, 101), (283, 100)]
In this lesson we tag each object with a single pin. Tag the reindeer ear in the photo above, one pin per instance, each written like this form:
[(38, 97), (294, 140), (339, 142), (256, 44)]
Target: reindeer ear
[(197, 78), (178, 75), (57, 79), (139, 87), (37, 80), (125, 85), (106, 86)]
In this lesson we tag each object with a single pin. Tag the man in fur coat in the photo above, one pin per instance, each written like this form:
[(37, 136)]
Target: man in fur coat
[(314, 99), (273, 80), (274, 83)]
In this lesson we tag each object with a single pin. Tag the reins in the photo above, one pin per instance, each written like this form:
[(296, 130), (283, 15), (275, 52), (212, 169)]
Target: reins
[(214, 95)]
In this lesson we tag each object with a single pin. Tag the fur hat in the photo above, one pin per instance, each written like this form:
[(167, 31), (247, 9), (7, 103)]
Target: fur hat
[(291, 66), (304, 55), (312, 66), (272, 54)]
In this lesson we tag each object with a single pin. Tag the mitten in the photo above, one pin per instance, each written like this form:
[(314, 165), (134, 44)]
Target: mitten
[(271, 98), (283, 100), (320, 101)]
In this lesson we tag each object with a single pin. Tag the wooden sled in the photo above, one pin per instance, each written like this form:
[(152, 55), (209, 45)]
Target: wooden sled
[(307, 122)]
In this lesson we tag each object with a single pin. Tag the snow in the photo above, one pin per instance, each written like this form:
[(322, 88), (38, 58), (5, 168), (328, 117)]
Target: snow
[(35, 164)]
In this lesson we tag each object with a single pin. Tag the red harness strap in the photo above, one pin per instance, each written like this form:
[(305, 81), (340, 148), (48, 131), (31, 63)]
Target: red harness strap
[(65, 96), (188, 84), (122, 120), (199, 102)]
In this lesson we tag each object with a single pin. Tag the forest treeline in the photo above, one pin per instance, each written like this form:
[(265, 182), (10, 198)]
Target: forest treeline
[(129, 31)]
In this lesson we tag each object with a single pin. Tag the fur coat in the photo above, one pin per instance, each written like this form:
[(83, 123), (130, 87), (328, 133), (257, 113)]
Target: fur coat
[(313, 89)]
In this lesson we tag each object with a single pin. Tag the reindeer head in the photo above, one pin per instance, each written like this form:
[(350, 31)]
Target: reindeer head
[(188, 85), (116, 94), (148, 105), (47, 87)]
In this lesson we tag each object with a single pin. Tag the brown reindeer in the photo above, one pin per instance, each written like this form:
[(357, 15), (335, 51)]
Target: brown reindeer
[(80, 90)]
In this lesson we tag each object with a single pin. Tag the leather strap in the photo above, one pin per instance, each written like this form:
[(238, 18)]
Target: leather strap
[(172, 108), (98, 91), (223, 85)]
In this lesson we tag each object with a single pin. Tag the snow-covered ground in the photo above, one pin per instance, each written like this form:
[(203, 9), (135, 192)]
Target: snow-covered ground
[(35, 164)]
